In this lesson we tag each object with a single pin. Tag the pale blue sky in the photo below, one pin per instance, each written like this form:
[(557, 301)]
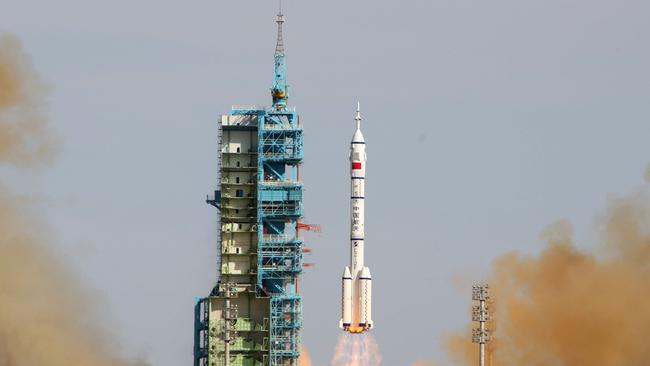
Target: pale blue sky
[(485, 121)]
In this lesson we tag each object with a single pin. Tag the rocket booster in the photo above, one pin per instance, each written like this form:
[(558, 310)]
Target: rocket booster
[(357, 282)]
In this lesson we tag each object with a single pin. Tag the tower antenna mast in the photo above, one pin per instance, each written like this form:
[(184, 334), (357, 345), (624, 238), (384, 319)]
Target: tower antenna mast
[(279, 90)]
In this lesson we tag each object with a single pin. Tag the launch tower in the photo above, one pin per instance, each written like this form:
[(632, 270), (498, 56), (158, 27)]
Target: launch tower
[(252, 317)]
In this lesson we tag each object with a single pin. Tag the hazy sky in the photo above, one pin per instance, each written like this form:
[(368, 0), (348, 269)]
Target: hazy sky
[(485, 122)]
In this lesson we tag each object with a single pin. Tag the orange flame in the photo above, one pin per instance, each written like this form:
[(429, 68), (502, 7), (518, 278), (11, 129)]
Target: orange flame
[(356, 330), (305, 359)]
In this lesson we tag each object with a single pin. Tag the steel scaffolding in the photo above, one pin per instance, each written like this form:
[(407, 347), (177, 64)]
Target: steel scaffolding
[(253, 316)]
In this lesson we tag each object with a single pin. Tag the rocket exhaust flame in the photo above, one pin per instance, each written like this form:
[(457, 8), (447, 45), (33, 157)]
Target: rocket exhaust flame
[(45, 316), (305, 359), (356, 350)]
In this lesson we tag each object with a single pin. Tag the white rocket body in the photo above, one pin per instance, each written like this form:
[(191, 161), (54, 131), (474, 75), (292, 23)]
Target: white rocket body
[(357, 282)]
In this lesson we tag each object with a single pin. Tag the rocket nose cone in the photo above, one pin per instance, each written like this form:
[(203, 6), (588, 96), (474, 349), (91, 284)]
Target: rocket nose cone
[(365, 272), (358, 136), (346, 273)]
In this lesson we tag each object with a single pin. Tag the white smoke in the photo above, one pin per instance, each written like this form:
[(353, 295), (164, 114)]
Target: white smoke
[(356, 350)]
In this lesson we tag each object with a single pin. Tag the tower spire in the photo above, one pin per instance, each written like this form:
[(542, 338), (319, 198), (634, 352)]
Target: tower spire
[(279, 46), (279, 89)]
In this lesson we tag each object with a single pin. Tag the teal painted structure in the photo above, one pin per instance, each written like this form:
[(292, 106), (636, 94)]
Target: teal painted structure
[(276, 215)]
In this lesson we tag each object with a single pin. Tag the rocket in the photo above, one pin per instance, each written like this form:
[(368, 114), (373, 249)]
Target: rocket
[(357, 282)]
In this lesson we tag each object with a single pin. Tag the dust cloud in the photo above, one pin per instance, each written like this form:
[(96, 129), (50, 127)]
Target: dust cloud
[(573, 306), (46, 317), (25, 139)]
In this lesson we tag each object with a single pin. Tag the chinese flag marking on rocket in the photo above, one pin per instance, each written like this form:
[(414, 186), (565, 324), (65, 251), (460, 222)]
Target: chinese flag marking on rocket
[(356, 166)]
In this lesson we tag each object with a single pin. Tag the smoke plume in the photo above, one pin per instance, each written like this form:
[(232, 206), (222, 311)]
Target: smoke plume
[(24, 136), (569, 306), (46, 318), (356, 350)]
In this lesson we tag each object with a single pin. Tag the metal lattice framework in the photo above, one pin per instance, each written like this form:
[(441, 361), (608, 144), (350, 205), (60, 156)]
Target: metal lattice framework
[(279, 210), (260, 203), (200, 332), (286, 321)]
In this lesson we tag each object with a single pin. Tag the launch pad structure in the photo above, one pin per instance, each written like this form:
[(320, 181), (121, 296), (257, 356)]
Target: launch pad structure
[(253, 316)]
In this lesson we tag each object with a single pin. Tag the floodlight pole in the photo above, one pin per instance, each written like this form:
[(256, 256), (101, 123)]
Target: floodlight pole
[(480, 314)]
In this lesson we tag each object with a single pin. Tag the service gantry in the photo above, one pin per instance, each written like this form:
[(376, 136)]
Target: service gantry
[(252, 317)]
